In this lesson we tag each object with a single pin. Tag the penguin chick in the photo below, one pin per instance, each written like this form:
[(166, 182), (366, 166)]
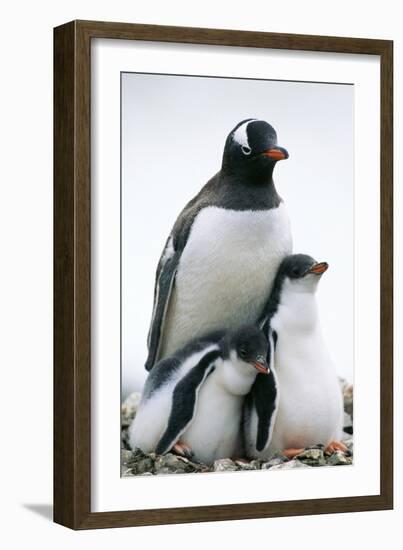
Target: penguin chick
[(194, 399), (310, 408), (225, 247)]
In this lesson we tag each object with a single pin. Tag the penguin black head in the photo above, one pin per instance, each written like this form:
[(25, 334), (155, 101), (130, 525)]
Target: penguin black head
[(300, 272), (250, 346), (298, 266), (252, 146)]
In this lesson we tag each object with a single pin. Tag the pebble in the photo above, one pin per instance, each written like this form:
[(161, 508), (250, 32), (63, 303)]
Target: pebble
[(349, 443), (224, 465), (143, 466), (171, 464), (312, 457), (129, 408), (290, 465), (338, 458), (276, 461), (249, 465), (126, 456), (348, 395)]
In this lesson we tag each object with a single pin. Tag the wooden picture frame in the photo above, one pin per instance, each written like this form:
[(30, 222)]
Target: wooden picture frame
[(72, 272)]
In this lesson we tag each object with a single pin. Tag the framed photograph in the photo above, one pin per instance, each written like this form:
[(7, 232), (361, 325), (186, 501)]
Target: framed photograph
[(222, 274)]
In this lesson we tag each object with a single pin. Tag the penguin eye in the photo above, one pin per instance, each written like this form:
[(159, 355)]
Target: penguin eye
[(242, 353), (295, 271), (246, 150)]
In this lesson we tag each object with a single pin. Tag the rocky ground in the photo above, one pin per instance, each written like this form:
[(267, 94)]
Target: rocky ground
[(138, 463)]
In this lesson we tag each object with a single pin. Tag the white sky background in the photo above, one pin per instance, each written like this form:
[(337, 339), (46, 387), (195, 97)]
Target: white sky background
[(173, 134)]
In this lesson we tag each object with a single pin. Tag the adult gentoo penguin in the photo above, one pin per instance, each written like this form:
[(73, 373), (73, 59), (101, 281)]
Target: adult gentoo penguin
[(223, 252), (309, 410), (192, 402)]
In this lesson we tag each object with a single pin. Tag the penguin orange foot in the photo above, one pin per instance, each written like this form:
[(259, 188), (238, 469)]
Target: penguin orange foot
[(335, 446), (291, 453), (182, 449)]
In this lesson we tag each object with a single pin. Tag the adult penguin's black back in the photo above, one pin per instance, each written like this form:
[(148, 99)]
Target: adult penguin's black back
[(220, 260)]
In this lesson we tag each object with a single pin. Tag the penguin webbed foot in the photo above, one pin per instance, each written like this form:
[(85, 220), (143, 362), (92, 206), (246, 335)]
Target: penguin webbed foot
[(292, 453), (334, 446), (182, 449)]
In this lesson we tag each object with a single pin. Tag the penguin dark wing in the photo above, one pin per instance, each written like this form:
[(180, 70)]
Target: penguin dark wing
[(263, 398), (164, 282), (167, 268), (184, 401), (160, 375), (207, 196)]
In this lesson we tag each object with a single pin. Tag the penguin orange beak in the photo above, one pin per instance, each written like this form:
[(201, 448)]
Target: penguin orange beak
[(277, 153), (319, 268), (261, 365)]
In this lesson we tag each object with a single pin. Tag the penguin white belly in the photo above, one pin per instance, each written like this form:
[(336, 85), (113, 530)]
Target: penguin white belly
[(214, 432), (226, 271), (310, 408), (151, 420)]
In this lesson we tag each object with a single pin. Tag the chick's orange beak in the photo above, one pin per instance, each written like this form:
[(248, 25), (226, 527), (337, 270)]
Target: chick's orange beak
[(319, 268), (261, 366)]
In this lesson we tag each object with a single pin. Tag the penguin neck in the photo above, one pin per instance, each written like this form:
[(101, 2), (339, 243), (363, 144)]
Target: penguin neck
[(248, 190), (234, 376), (296, 310), (254, 174)]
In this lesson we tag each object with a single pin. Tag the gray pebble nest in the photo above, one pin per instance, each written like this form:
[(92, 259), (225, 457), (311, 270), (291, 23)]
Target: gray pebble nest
[(137, 463)]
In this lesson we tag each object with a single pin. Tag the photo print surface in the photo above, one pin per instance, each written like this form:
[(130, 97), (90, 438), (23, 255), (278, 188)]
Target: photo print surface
[(237, 302)]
